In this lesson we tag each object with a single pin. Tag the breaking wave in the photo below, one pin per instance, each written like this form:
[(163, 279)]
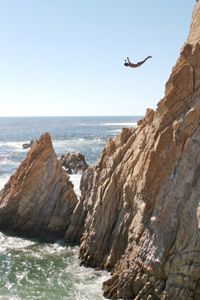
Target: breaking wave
[(33, 270)]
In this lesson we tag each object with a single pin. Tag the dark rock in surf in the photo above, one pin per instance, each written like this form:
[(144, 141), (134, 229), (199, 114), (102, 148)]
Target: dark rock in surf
[(27, 145), (74, 162)]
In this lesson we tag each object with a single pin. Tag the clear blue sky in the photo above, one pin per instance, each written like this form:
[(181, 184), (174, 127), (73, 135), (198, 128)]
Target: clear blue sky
[(65, 57)]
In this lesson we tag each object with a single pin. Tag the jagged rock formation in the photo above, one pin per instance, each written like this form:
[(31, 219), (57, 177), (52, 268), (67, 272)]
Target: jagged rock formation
[(73, 162), (39, 198), (139, 213), (143, 211)]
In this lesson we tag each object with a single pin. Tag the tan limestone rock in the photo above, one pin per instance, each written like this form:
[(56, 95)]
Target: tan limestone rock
[(39, 198), (143, 207)]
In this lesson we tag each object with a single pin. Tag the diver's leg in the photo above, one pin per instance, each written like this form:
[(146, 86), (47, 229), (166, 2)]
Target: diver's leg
[(143, 61)]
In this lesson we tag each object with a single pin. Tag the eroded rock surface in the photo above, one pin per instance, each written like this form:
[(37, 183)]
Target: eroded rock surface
[(39, 198), (143, 218)]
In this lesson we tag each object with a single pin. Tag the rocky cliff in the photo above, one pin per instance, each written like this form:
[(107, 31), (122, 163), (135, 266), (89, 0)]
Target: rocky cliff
[(39, 198), (143, 211), (139, 213)]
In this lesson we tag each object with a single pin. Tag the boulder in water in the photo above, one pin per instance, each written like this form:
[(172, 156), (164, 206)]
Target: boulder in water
[(73, 162), (27, 145), (38, 200)]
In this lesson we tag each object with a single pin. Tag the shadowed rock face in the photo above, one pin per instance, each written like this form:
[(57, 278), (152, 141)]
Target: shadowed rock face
[(143, 219), (75, 231), (39, 198)]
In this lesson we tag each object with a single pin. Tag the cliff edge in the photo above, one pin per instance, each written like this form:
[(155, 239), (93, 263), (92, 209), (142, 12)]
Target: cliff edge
[(143, 211)]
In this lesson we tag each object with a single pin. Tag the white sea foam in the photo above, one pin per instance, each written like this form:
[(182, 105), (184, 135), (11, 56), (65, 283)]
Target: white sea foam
[(120, 124), (9, 297), (88, 282), (73, 142), (6, 161), (56, 266), (115, 131), (10, 242), (3, 180), (75, 179), (16, 145)]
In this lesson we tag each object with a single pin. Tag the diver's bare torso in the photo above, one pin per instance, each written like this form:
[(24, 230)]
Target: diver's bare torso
[(132, 65)]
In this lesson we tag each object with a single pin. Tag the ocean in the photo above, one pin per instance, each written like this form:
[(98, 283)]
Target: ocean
[(30, 269)]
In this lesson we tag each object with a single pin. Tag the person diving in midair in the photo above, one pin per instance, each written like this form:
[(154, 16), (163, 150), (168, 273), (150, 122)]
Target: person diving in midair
[(138, 64)]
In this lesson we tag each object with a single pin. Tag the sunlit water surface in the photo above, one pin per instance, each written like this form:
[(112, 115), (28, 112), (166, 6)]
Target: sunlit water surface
[(35, 270)]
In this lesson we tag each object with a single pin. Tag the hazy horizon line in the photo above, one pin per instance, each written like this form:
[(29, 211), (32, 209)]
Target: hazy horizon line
[(69, 116)]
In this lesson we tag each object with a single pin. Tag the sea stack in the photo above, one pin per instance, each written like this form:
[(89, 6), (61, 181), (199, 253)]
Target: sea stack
[(39, 199), (143, 214)]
